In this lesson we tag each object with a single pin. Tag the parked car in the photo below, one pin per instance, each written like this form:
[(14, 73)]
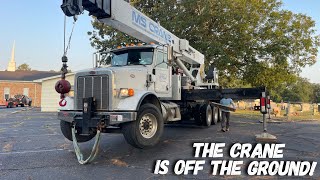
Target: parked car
[(11, 102), (22, 100)]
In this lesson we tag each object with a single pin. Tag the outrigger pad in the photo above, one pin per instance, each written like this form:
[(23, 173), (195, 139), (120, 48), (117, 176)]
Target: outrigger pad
[(266, 138)]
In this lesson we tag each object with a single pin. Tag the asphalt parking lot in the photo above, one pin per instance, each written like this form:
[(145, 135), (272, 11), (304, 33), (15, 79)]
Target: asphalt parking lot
[(32, 147)]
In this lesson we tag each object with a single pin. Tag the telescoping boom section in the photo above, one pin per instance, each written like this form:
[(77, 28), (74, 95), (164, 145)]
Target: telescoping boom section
[(122, 16)]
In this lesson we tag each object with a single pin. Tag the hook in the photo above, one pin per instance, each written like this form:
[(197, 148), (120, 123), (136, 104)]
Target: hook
[(63, 103)]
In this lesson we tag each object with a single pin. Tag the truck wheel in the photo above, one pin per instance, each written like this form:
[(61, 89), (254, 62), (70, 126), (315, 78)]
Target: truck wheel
[(220, 115), (67, 132), (146, 131), (215, 115), (186, 115), (198, 113), (206, 115)]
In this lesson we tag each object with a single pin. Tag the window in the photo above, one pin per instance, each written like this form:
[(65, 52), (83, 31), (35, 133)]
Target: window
[(162, 59), (6, 93), (128, 57), (26, 91)]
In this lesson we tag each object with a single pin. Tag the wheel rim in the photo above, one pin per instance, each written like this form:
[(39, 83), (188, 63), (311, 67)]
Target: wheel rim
[(209, 115), (216, 116), (148, 125)]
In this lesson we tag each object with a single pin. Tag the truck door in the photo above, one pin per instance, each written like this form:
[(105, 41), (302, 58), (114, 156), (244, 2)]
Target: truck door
[(161, 72)]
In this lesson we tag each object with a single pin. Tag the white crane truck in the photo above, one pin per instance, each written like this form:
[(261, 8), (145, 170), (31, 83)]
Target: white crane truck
[(138, 89)]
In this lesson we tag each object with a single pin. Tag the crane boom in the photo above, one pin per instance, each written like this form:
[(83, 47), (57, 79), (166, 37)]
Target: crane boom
[(124, 17)]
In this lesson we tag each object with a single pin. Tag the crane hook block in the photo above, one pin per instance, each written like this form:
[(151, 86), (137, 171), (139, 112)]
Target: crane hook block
[(63, 86)]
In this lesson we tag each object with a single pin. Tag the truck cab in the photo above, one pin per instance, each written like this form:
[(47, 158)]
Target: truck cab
[(144, 68), (126, 84)]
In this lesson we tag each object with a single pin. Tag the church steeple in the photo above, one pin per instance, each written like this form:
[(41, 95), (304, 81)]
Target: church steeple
[(12, 63)]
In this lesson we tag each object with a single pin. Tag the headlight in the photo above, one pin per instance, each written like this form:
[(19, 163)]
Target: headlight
[(126, 92)]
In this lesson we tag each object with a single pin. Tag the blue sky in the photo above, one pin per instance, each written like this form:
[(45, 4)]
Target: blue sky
[(37, 28)]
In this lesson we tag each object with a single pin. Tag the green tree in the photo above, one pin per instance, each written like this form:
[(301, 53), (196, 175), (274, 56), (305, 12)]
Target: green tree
[(24, 67), (316, 93), (300, 91), (254, 42)]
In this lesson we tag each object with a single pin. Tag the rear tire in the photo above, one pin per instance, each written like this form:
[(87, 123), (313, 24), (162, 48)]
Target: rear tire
[(10, 105), (146, 131), (67, 132), (215, 115), (198, 113), (220, 115), (186, 114), (207, 115)]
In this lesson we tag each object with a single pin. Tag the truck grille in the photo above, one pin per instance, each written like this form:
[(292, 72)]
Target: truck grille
[(93, 86)]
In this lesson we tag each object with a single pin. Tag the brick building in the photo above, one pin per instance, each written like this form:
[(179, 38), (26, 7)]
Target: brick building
[(22, 82)]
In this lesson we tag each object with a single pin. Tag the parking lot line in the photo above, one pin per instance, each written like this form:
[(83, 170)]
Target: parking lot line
[(41, 135), (36, 151)]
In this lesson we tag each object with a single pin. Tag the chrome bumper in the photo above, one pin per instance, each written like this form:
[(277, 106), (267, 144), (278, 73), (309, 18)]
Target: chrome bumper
[(111, 117)]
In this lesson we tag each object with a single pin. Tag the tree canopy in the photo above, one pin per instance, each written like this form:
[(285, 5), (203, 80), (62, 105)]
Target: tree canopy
[(251, 42), (24, 67)]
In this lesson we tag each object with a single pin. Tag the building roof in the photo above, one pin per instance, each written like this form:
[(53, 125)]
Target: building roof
[(25, 75), (54, 77)]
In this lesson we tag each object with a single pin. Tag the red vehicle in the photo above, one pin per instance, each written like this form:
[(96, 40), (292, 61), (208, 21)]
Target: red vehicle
[(17, 100), (11, 102)]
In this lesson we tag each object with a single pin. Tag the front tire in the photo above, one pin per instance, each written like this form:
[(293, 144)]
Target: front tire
[(146, 131), (67, 132)]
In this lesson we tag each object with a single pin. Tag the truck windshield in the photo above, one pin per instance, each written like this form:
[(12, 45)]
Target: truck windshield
[(128, 57)]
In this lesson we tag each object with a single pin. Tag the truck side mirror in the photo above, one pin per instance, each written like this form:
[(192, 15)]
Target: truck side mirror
[(95, 59)]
